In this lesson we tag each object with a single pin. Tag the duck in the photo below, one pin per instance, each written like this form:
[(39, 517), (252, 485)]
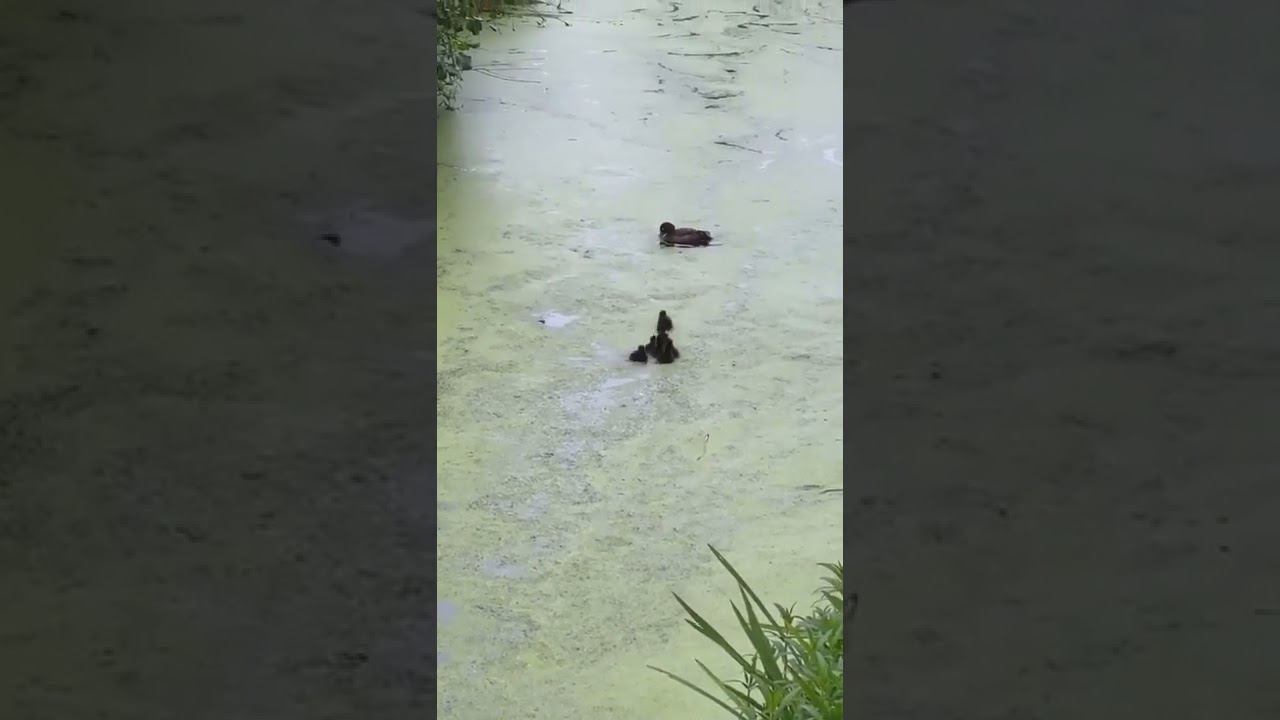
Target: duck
[(670, 235), (639, 355), (656, 343), (664, 322), (666, 351)]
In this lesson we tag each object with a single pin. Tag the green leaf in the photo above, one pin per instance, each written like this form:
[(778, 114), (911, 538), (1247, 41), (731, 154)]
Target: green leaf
[(744, 701), (694, 688), (743, 584), (704, 627), (764, 650)]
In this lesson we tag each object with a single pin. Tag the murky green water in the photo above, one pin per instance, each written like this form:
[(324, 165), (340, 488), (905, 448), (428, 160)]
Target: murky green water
[(577, 489)]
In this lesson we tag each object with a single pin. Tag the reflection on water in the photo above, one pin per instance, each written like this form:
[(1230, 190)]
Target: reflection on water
[(577, 488)]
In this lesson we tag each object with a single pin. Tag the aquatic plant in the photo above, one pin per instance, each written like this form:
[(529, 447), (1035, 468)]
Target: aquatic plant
[(794, 669)]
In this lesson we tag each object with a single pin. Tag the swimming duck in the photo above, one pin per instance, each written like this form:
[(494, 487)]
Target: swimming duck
[(664, 322), (656, 343), (667, 352), (670, 235), (639, 355)]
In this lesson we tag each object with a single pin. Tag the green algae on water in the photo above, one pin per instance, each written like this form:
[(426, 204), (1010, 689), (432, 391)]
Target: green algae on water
[(578, 489)]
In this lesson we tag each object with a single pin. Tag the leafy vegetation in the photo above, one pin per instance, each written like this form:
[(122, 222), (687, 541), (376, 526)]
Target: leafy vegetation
[(794, 669), (458, 25), (458, 22)]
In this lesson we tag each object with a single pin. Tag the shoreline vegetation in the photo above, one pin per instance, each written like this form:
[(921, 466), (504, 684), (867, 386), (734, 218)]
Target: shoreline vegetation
[(460, 22), (794, 669)]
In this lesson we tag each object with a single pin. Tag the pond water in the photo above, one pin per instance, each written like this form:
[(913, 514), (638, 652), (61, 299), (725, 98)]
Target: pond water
[(577, 490)]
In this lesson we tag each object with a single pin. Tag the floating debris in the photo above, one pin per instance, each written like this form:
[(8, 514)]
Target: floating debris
[(717, 94), (726, 143), (556, 320), (722, 53)]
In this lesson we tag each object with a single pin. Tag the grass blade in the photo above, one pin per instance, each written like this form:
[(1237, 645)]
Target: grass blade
[(744, 700), (704, 627), (764, 650), (743, 583), (695, 688), (793, 670)]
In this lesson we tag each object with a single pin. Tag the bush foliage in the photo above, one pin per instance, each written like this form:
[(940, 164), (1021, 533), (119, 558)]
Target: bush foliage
[(458, 22)]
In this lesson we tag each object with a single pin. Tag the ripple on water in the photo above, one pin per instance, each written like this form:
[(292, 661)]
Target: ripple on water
[(615, 382)]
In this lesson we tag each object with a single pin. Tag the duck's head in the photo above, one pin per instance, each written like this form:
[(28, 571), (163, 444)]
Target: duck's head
[(666, 228)]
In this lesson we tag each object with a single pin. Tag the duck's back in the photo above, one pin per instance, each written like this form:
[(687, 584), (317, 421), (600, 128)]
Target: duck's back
[(689, 236)]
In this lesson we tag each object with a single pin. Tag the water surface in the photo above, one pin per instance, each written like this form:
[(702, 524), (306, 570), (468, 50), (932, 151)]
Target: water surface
[(577, 489)]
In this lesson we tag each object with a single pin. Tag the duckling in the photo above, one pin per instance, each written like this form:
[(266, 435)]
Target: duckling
[(639, 355), (667, 352), (664, 322), (670, 235), (652, 347)]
